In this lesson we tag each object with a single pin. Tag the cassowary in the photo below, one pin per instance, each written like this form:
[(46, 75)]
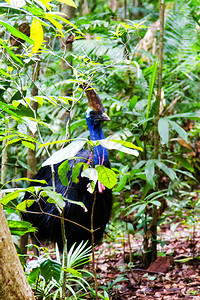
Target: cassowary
[(49, 227)]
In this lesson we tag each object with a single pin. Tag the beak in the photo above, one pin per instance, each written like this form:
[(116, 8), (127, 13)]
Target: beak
[(101, 117)]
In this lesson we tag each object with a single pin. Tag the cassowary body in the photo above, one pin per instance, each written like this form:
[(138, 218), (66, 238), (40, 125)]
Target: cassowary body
[(49, 227)]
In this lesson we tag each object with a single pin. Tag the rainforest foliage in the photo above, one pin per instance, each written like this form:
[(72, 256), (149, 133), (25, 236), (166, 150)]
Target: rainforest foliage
[(48, 49)]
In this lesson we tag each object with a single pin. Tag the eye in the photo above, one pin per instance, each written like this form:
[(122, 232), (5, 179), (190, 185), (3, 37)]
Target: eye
[(92, 113)]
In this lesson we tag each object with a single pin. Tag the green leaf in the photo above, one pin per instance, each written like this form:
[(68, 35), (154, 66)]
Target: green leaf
[(23, 165), (150, 171), (73, 272), (20, 227), (76, 170), (54, 142), (33, 276), (186, 173), (46, 4), (127, 144), (50, 269), (133, 102), (16, 32), (184, 162), (151, 86), (155, 202), (11, 53), (58, 25), (62, 172), (68, 2), (56, 15), (163, 129), (185, 115), (77, 124), (183, 260), (113, 145), (12, 141), (179, 130), (78, 255), (29, 145), (54, 198), (25, 204), (11, 196), (121, 183), (106, 176), (141, 208), (9, 109), (27, 179), (166, 170)]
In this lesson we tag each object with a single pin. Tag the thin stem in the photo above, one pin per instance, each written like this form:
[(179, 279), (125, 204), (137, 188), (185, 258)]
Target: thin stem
[(156, 135), (93, 250)]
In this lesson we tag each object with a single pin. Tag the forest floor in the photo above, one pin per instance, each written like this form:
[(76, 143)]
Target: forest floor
[(173, 276)]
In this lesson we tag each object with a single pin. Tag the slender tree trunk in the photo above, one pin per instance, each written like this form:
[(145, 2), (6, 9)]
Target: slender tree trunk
[(85, 8), (113, 4), (31, 157), (156, 135), (4, 160), (13, 283), (125, 9)]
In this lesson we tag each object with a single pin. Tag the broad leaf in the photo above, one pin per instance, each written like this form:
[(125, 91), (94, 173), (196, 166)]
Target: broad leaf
[(25, 204), (106, 176), (76, 170), (46, 3), (68, 2), (16, 32), (133, 102), (113, 145), (11, 53), (179, 130), (62, 172), (11, 196), (163, 129), (50, 269), (55, 23), (151, 86), (127, 144), (166, 170), (184, 162), (20, 227), (66, 153), (36, 34), (150, 171), (141, 208), (29, 145), (54, 198)]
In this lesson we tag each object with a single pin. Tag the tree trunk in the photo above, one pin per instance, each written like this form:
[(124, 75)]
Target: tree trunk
[(156, 135), (13, 283), (31, 157), (114, 5), (4, 160), (66, 44)]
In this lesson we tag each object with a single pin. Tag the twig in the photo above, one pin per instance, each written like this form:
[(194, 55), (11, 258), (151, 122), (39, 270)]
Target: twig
[(133, 276), (148, 271)]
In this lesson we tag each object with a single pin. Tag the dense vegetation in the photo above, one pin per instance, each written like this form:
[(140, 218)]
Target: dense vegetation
[(42, 108)]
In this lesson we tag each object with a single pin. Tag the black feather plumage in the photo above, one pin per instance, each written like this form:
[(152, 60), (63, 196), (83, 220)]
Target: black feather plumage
[(49, 227)]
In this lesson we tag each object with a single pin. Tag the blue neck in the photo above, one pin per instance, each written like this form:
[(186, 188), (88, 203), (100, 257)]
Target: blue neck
[(100, 155)]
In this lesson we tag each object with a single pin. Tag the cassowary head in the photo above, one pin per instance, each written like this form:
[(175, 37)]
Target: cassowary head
[(95, 112)]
